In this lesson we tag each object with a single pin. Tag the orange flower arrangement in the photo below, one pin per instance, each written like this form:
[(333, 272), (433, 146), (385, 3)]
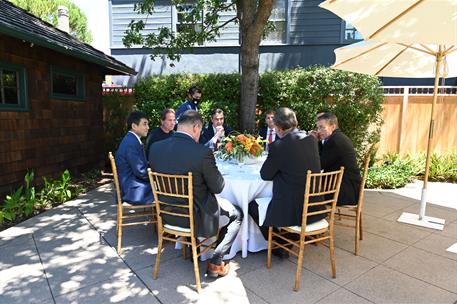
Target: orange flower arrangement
[(240, 146)]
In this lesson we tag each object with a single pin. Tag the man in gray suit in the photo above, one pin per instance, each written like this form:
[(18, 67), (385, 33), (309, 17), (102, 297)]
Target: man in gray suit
[(181, 154)]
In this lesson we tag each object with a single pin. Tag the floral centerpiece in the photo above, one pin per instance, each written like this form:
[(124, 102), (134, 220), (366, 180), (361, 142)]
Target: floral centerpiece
[(240, 147)]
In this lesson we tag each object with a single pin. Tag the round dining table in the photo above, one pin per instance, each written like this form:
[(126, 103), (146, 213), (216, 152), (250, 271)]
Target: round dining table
[(243, 184)]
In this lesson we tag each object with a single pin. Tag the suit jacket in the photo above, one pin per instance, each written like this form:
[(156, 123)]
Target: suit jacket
[(208, 133), (180, 154), (186, 105), (338, 151), (263, 134), (286, 165), (132, 170)]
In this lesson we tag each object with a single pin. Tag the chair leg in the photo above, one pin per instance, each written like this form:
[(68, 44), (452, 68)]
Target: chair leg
[(361, 225), (159, 252), (196, 270), (119, 230), (184, 251), (332, 255), (357, 235), (270, 239), (299, 263)]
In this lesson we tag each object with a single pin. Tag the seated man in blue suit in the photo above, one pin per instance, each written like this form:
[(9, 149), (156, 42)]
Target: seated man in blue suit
[(215, 132), (131, 162)]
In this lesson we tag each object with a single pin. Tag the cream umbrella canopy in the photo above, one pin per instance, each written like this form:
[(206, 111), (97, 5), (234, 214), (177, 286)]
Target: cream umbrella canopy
[(393, 59), (425, 30), (407, 21)]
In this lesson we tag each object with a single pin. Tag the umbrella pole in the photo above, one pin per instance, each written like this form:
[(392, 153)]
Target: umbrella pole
[(421, 219), (439, 60)]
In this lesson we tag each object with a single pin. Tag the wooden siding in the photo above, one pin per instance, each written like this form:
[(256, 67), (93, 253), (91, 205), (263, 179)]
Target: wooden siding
[(406, 124), (53, 135), (307, 23)]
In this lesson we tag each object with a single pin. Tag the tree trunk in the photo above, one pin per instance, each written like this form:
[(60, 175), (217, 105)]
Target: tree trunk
[(253, 16), (249, 86)]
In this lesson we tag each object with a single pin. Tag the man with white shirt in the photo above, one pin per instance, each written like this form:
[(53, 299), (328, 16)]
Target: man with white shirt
[(268, 133), (215, 132), (131, 162)]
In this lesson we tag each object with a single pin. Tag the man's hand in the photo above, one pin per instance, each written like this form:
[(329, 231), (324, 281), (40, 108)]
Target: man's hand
[(314, 133), (219, 132)]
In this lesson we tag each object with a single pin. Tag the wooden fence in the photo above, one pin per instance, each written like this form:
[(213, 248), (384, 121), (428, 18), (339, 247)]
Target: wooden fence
[(406, 120)]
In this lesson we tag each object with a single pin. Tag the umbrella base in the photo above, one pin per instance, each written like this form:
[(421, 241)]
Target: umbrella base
[(427, 221)]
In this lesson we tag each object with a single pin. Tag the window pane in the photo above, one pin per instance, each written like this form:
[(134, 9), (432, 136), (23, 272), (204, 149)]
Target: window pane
[(182, 24), (279, 34), (11, 96), (9, 78), (351, 33), (64, 84)]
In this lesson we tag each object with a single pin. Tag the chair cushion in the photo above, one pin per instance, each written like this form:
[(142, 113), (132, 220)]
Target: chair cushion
[(177, 228), (311, 227)]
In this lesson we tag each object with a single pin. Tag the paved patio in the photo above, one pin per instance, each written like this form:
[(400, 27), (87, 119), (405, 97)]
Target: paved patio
[(67, 255)]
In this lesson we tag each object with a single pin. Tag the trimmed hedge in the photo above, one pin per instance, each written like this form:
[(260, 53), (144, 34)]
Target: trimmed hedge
[(356, 99)]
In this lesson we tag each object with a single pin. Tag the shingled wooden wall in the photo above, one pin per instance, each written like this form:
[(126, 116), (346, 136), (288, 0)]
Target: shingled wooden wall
[(53, 135)]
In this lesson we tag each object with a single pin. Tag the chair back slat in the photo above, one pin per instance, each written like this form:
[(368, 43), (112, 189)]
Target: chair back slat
[(326, 184), (116, 178), (173, 187)]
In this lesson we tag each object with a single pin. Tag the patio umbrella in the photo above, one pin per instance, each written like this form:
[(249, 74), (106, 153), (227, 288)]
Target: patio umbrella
[(407, 21), (392, 59), (416, 38)]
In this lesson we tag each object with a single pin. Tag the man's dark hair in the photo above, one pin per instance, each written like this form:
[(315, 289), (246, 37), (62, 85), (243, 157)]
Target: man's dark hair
[(216, 111), (330, 118), (190, 117), (269, 112), (163, 114), (135, 118), (194, 89), (285, 118)]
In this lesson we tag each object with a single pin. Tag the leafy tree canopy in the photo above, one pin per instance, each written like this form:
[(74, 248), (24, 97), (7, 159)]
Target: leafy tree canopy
[(46, 10)]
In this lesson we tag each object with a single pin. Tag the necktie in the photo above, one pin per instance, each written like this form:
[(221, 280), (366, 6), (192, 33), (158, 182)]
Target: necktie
[(270, 136)]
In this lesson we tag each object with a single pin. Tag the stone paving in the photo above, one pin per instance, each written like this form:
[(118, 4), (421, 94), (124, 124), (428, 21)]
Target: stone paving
[(67, 255)]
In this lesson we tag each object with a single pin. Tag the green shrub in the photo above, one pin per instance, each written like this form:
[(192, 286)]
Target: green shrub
[(25, 201), (153, 94), (116, 107), (390, 174), (395, 171), (356, 99)]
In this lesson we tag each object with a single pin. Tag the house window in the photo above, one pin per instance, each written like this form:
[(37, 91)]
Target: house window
[(278, 21), (66, 84), (350, 33), (13, 87), (184, 9)]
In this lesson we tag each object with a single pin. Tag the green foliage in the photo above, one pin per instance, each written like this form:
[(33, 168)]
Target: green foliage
[(46, 10), (394, 171), (58, 191), (356, 99), (24, 201), (116, 107), (153, 94)]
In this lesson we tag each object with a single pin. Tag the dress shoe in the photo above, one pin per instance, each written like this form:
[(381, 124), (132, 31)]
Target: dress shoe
[(280, 253), (215, 271)]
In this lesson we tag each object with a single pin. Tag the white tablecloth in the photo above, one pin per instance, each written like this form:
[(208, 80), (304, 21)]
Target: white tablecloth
[(242, 185)]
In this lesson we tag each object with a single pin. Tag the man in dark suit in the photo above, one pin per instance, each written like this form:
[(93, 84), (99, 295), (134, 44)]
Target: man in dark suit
[(181, 154), (337, 150), (131, 162), (268, 133), (215, 132), (194, 96)]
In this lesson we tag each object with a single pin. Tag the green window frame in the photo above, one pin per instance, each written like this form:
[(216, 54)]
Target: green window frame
[(16, 86), (77, 91)]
